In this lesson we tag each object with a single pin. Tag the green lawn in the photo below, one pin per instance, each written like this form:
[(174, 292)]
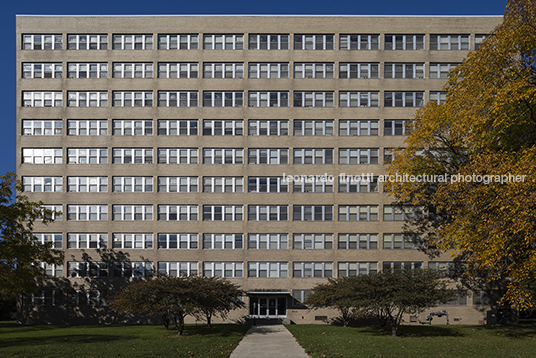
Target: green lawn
[(417, 341), (117, 341)]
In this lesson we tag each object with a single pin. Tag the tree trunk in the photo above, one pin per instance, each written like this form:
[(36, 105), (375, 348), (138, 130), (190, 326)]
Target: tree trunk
[(180, 325), (394, 329), (209, 319)]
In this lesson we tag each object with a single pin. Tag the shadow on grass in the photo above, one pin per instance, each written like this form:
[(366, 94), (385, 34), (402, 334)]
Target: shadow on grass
[(523, 330), (414, 331), (72, 339), (218, 330)]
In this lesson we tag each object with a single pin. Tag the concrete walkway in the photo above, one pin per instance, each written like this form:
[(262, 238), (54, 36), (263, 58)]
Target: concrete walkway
[(268, 341)]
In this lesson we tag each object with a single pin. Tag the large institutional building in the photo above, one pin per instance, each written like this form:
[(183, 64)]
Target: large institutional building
[(246, 147)]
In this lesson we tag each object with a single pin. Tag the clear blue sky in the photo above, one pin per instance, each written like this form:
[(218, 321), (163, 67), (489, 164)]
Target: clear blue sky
[(10, 8)]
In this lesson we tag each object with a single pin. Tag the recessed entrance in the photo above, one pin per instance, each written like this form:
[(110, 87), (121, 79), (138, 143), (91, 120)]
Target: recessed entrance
[(268, 307)]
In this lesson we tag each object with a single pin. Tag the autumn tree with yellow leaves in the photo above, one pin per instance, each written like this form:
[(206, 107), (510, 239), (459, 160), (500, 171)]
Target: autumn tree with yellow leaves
[(485, 130)]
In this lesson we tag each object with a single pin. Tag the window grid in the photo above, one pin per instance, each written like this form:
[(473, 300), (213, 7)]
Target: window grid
[(87, 212), (178, 156), (358, 156), (304, 127), (178, 241), (478, 40), (359, 42), (449, 42), (223, 269), (313, 42), (42, 127), (42, 184), (87, 269), (133, 70), (313, 156), (177, 127), (52, 270), (404, 42), (223, 99), (132, 241), (223, 213), (267, 212), (441, 70), (268, 98), (404, 99), (132, 155), (132, 212), (132, 127), (87, 184), (351, 269), (178, 212), (300, 296), (133, 269), (275, 127), (57, 214), (223, 127), (267, 185), (358, 127), (87, 127), (312, 269), (87, 99), (54, 239), (268, 269), (223, 70), (178, 42), (87, 42), (359, 99), (358, 242), (314, 70), (268, 70), (42, 70), (87, 241), (349, 184), (133, 42), (177, 99), (359, 70), (223, 185), (404, 70), (438, 96), (268, 41), (402, 213), (42, 99), (132, 98), (87, 70), (358, 212), (87, 155), (178, 269), (223, 242), (312, 184), (395, 127), (312, 242), (178, 70), (223, 42), (132, 184), (268, 241), (401, 265), (178, 184), (312, 213), (223, 156), (313, 99), (42, 155), (268, 156), (42, 42), (399, 242)]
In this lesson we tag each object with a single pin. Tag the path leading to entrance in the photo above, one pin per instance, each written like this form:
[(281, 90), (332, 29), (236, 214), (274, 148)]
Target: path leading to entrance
[(268, 341)]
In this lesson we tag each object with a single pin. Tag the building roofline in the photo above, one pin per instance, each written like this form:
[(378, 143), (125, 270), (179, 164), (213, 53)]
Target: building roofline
[(252, 15)]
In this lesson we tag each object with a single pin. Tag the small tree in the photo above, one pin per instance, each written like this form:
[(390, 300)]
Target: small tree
[(214, 296)]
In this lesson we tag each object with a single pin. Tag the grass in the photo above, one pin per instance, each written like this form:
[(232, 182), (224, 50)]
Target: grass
[(417, 341), (117, 341)]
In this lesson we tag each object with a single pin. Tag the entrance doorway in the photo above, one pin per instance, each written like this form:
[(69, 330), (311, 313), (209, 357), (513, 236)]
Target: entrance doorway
[(268, 307)]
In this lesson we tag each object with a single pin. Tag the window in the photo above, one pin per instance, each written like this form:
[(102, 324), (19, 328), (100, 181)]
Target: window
[(42, 70), (87, 99), (223, 241), (350, 269), (478, 41), (268, 98), (55, 239), (87, 155), (57, 211), (314, 70), (460, 300), (132, 184), (223, 99), (268, 41), (87, 212), (52, 270), (312, 269), (358, 242), (359, 70), (132, 127), (42, 99), (358, 156), (76, 298), (267, 185), (358, 212), (401, 265), (178, 269), (359, 42), (268, 156), (268, 70), (313, 127), (178, 70), (438, 97), (300, 296), (404, 70), (313, 42), (313, 99), (132, 155), (87, 241), (177, 99), (268, 269), (87, 184), (486, 298), (132, 99), (400, 242), (87, 70), (402, 213), (359, 99), (223, 42), (178, 212), (393, 127), (178, 42), (42, 42), (267, 212), (312, 242), (132, 241), (87, 269), (178, 156), (313, 156), (42, 155), (441, 70), (268, 241), (132, 212), (133, 42), (178, 184), (404, 42), (87, 42), (358, 127), (223, 156), (276, 127), (223, 127), (223, 70), (133, 269), (133, 70), (178, 241), (223, 185), (87, 127), (177, 127), (451, 269), (42, 127), (223, 213), (42, 184), (404, 99), (312, 184), (312, 213), (223, 269), (358, 184), (449, 42)]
